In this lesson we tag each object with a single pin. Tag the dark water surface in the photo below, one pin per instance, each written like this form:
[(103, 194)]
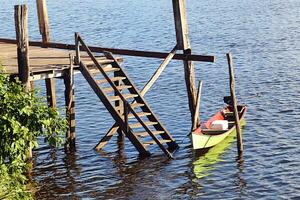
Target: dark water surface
[(264, 37)]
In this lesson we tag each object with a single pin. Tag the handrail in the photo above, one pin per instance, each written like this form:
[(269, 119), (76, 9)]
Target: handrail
[(80, 40)]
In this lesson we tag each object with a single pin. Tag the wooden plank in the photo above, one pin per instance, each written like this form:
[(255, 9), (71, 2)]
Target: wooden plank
[(140, 114), (196, 121), (158, 71), (21, 25), (50, 92), (118, 97), (43, 20), (181, 27), (145, 134), (116, 78), (154, 142), (137, 125), (235, 109), (127, 52), (120, 87)]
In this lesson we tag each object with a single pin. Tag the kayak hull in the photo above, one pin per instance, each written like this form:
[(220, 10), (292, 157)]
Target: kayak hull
[(204, 137)]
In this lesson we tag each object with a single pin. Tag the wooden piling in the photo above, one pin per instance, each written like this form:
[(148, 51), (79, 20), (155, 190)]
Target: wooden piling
[(50, 92), (196, 121), (77, 49), (183, 43), (43, 20), (21, 25), (235, 110), (181, 27), (70, 104)]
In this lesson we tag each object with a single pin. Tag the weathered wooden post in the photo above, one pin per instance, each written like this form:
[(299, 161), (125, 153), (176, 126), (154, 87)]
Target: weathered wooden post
[(234, 101), (50, 92), (21, 25), (43, 20), (183, 43), (70, 104), (44, 31)]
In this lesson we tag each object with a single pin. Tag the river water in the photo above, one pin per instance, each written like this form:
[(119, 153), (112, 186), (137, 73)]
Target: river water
[(264, 38)]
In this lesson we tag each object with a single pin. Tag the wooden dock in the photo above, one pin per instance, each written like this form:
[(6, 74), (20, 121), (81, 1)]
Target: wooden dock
[(44, 62)]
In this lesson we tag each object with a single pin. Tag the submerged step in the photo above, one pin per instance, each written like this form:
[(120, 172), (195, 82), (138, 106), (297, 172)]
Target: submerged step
[(145, 134), (153, 142)]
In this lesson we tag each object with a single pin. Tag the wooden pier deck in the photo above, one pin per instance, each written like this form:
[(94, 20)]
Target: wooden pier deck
[(44, 62)]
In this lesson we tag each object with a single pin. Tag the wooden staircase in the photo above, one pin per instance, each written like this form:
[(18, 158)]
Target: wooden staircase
[(127, 106)]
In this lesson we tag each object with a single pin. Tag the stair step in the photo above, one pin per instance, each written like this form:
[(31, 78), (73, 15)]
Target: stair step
[(117, 78), (108, 68), (120, 87), (137, 125), (134, 105), (153, 142), (140, 114), (145, 134), (111, 69), (101, 61), (126, 96)]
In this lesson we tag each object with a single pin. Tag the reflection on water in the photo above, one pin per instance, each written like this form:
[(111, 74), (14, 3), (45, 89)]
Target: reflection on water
[(205, 160)]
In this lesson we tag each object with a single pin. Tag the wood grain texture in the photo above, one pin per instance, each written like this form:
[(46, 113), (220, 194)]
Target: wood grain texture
[(41, 59), (127, 52), (43, 20), (50, 92), (70, 104), (21, 26), (181, 26), (235, 109)]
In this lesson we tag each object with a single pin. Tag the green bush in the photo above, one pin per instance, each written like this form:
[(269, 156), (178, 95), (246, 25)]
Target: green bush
[(23, 118)]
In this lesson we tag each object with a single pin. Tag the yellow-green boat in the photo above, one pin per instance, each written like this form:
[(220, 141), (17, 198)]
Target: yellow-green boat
[(208, 134)]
